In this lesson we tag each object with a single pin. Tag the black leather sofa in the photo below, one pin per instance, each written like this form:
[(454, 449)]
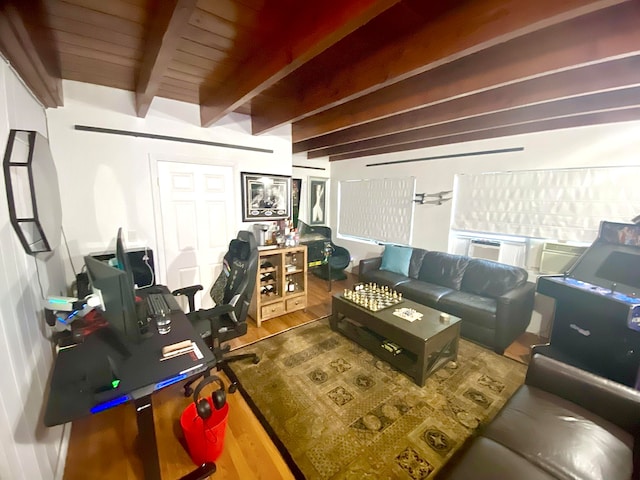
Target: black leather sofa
[(493, 300), (563, 423)]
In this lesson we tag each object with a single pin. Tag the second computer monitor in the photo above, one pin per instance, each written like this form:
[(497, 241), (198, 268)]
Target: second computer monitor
[(115, 290)]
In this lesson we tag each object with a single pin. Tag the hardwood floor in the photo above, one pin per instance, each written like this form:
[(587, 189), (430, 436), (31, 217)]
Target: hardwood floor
[(104, 446)]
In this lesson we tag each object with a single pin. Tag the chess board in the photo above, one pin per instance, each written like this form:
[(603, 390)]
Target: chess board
[(373, 297)]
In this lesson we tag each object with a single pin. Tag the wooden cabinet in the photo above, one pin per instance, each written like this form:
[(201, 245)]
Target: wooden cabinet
[(281, 283)]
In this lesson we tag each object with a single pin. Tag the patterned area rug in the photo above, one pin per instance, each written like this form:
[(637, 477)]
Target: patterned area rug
[(343, 414)]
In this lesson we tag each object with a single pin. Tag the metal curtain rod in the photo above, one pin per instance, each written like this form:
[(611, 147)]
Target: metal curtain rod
[(129, 133), (454, 155), (309, 168)]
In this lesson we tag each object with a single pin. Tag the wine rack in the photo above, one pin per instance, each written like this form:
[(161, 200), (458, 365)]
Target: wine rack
[(281, 283)]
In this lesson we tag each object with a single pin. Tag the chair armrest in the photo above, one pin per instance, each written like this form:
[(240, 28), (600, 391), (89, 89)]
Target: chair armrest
[(187, 291), (610, 400), (190, 293), (216, 311), (369, 265)]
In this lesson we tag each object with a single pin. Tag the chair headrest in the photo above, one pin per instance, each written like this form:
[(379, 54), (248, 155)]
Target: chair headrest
[(249, 238), (239, 249)]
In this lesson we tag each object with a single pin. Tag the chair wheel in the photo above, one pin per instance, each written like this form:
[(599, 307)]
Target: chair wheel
[(188, 391), (233, 387), (256, 360)]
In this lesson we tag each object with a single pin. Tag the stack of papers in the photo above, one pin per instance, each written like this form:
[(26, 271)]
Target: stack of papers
[(408, 314)]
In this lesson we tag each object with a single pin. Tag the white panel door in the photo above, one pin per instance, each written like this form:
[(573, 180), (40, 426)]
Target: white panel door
[(196, 203)]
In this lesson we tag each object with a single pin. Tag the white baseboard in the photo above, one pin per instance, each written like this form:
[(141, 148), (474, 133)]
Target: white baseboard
[(62, 451)]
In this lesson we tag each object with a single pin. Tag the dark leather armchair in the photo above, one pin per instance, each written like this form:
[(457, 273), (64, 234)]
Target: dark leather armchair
[(563, 423), (330, 258), (228, 319)]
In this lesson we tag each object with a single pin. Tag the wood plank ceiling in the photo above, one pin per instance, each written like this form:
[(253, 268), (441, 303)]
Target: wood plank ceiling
[(353, 77)]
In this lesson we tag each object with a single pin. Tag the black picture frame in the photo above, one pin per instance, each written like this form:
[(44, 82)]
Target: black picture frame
[(296, 191), (317, 201), (265, 196)]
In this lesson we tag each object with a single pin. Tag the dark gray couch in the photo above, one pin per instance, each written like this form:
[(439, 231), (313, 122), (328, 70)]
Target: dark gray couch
[(494, 300), (563, 423)]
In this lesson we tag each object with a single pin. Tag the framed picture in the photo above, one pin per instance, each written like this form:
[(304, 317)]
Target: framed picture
[(317, 201), (296, 189), (265, 197)]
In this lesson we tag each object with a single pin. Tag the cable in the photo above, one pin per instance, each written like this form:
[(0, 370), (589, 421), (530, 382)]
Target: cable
[(68, 253), (146, 261)]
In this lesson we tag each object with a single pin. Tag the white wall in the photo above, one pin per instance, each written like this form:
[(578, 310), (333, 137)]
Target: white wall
[(28, 449), (106, 180), (602, 145)]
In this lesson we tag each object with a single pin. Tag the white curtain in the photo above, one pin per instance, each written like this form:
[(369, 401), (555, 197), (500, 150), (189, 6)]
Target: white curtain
[(377, 209), (565, 205)]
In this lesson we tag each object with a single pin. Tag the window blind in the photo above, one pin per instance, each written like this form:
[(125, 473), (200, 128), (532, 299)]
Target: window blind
[(377, 209), (565, 204)]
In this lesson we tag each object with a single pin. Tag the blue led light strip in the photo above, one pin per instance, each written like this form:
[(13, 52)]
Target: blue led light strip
[(170, 381), (101, 407)]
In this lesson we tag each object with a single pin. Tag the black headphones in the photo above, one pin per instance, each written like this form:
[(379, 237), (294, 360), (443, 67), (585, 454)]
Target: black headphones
[(218, 397)]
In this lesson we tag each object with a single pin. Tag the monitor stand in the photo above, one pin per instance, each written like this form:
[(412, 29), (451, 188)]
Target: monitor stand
[(144, 322), (115, 340)]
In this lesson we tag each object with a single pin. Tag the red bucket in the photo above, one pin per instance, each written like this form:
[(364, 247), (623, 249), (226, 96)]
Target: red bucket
[(205, 438)]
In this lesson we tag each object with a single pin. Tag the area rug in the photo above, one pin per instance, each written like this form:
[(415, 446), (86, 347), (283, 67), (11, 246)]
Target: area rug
[(341, 413)]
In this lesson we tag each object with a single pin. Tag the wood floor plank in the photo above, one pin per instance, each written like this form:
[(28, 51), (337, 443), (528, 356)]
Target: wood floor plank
[(104, 446)]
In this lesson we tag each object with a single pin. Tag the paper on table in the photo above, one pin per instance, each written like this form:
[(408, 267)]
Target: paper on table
[(408, 314)]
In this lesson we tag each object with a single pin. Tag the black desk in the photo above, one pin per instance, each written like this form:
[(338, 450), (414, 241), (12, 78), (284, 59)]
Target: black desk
[(140, 374)]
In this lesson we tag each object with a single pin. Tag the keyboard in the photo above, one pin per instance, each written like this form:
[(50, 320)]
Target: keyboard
[(156, 304)]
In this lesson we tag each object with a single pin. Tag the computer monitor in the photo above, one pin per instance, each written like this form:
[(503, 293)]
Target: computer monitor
[(115, 289), (122, 258)]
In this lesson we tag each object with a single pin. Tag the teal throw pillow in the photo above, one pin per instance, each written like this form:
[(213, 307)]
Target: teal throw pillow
[(396, 259)]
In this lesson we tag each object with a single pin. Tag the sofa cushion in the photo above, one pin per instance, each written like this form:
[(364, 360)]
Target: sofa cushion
[(470, 307), (396, 259), (561, 437), (491, 279), (488, 460), (416, 262), (443, 269), (382, 277), (423, 292)]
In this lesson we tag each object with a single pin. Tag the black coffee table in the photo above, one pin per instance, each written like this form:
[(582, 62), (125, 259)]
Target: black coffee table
[(426, 344)]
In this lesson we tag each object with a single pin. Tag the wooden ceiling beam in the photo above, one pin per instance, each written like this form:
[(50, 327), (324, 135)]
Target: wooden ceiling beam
[(626, 114), (164, 35), (595, 102), (593, 38), (313, 31), (462, 31), (601, 77), (23, 51)]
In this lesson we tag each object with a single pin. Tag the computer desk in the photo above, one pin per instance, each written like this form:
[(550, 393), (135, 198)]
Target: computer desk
[(140, 374)]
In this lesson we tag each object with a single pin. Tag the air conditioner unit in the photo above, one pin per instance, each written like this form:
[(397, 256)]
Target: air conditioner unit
[(487, 249), (559, 257)]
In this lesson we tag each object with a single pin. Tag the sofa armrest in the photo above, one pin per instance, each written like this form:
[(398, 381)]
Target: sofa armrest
[(518, 296), (513, 313), (610, 400), (369, 265)]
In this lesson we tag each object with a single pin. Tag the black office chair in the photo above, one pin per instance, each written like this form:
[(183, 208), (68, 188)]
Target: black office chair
[(228, 319)]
